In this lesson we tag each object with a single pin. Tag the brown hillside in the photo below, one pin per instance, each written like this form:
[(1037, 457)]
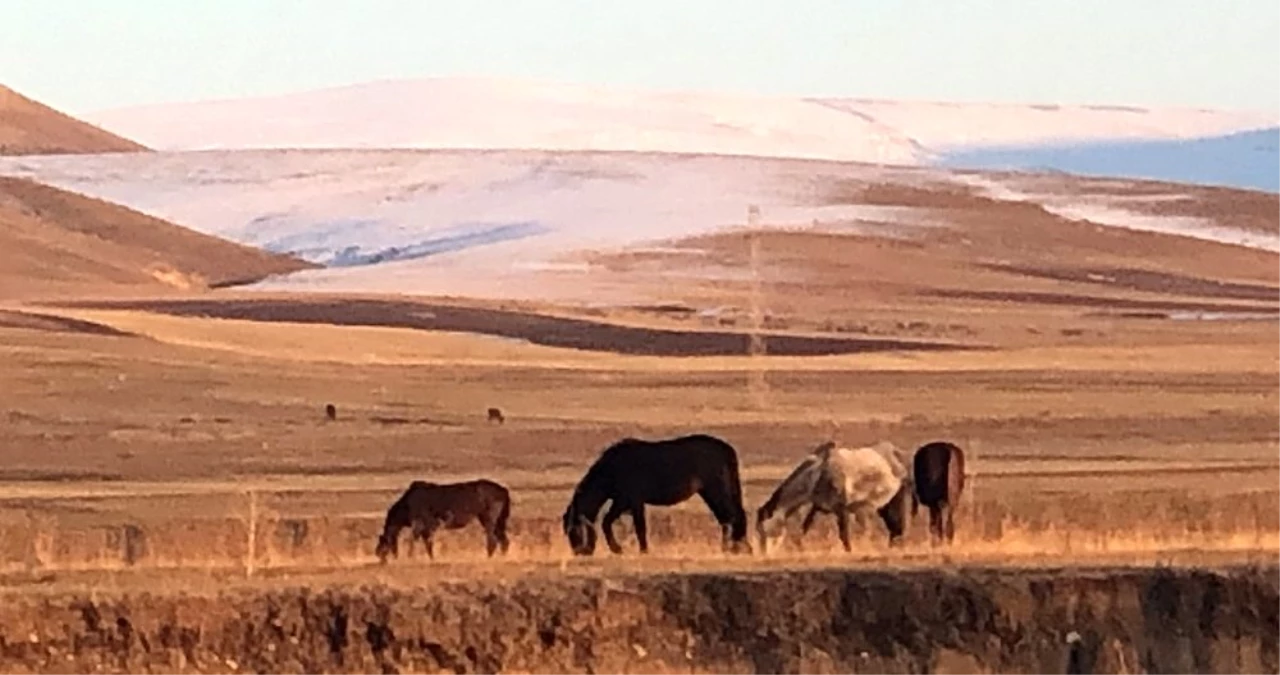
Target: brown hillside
[(28, 127), (57, 242)]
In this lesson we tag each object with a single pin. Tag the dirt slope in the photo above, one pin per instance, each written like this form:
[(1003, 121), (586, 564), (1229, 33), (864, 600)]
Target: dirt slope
[(28, 127), (57, 242), (834, 621)]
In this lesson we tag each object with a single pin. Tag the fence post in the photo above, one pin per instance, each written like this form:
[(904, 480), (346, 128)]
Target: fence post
[(36, 560), (251, 555)]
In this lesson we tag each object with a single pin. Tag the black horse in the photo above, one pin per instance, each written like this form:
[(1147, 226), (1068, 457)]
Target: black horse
[(428, 507), (939, 478), (632, 473)]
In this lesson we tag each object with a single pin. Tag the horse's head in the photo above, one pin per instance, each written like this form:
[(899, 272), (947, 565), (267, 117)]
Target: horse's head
[(769, 529), (388, 545), (580, 531)]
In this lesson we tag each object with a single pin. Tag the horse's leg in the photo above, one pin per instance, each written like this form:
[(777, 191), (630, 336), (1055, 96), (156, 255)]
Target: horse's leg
[(418, 532), (809, 520), (935, 523), (615, 511), (842, 520), (642, 527), (490, 536), (726, 512), (427, 533), (490, 522), (500, 527), (892, 520), (499, 534), (951, 523)]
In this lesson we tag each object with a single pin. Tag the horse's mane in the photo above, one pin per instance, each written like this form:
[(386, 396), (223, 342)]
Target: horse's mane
[(824, 449), (592, 477), (803, 471)]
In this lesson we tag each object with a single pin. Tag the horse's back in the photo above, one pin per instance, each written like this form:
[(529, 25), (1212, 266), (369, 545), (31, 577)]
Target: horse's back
[(705, 445), (490, 488), (465, 498), (939, 472), (696, 450), (668, 471), (895, 456), (863, 476)]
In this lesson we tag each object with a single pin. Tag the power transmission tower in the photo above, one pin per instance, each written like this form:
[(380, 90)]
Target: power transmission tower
[(757, 384)]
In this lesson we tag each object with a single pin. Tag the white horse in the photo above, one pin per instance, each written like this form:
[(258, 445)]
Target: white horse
[(840, 481)]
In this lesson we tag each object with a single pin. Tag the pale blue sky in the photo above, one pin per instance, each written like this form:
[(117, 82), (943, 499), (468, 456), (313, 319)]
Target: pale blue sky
[(83, 55)]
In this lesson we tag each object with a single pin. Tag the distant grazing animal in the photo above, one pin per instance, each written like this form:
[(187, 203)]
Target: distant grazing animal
[(632, 473), (939, 482), (427, 507), (842, 482), (495, 415), (331, 411)]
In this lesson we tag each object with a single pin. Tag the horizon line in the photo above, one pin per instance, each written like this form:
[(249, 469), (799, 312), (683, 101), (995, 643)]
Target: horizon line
[(727, 91)]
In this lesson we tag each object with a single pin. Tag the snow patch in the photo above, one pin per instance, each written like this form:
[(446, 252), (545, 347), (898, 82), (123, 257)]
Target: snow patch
[(474, 113), (1109, 210)]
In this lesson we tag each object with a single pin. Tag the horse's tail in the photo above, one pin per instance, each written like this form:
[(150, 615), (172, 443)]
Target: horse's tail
[(955, 475), (733, 485), (504, 514)]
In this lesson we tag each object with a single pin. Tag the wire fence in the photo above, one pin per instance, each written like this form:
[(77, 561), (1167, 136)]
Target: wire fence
[(243, 530), (256, 531)]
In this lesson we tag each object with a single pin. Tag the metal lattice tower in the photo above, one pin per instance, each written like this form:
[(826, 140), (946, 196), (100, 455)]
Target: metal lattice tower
[(757, 384)]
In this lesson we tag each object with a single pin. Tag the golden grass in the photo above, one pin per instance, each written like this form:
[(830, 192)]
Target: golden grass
[(323, 528), (409, 347), (59, 243), (28, 127)]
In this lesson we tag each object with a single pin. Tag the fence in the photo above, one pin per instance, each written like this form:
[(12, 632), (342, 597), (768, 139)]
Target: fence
[(216, 530), (260, 530)]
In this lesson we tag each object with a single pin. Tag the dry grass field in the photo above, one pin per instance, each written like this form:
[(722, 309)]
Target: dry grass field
[(136, 429), (168, 443)]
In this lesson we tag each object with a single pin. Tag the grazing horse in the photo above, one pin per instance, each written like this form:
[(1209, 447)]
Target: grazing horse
[(632, 473), (939, 478), (428, 507), (839, 481), (495, 415)]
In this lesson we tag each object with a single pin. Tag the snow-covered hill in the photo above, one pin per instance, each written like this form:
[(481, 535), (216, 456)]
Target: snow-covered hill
[(500, 114), (350, 208), (436, 186), (472, 221), (514, 114)]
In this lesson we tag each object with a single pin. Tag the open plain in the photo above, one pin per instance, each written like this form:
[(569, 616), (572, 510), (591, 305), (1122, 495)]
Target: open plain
[(1115, 388), (174, 496)]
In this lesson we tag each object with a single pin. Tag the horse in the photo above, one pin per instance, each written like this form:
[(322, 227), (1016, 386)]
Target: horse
[(633, 473), (840, 481), (331, 411), (495, 416), (428, 507), (939, 482)]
